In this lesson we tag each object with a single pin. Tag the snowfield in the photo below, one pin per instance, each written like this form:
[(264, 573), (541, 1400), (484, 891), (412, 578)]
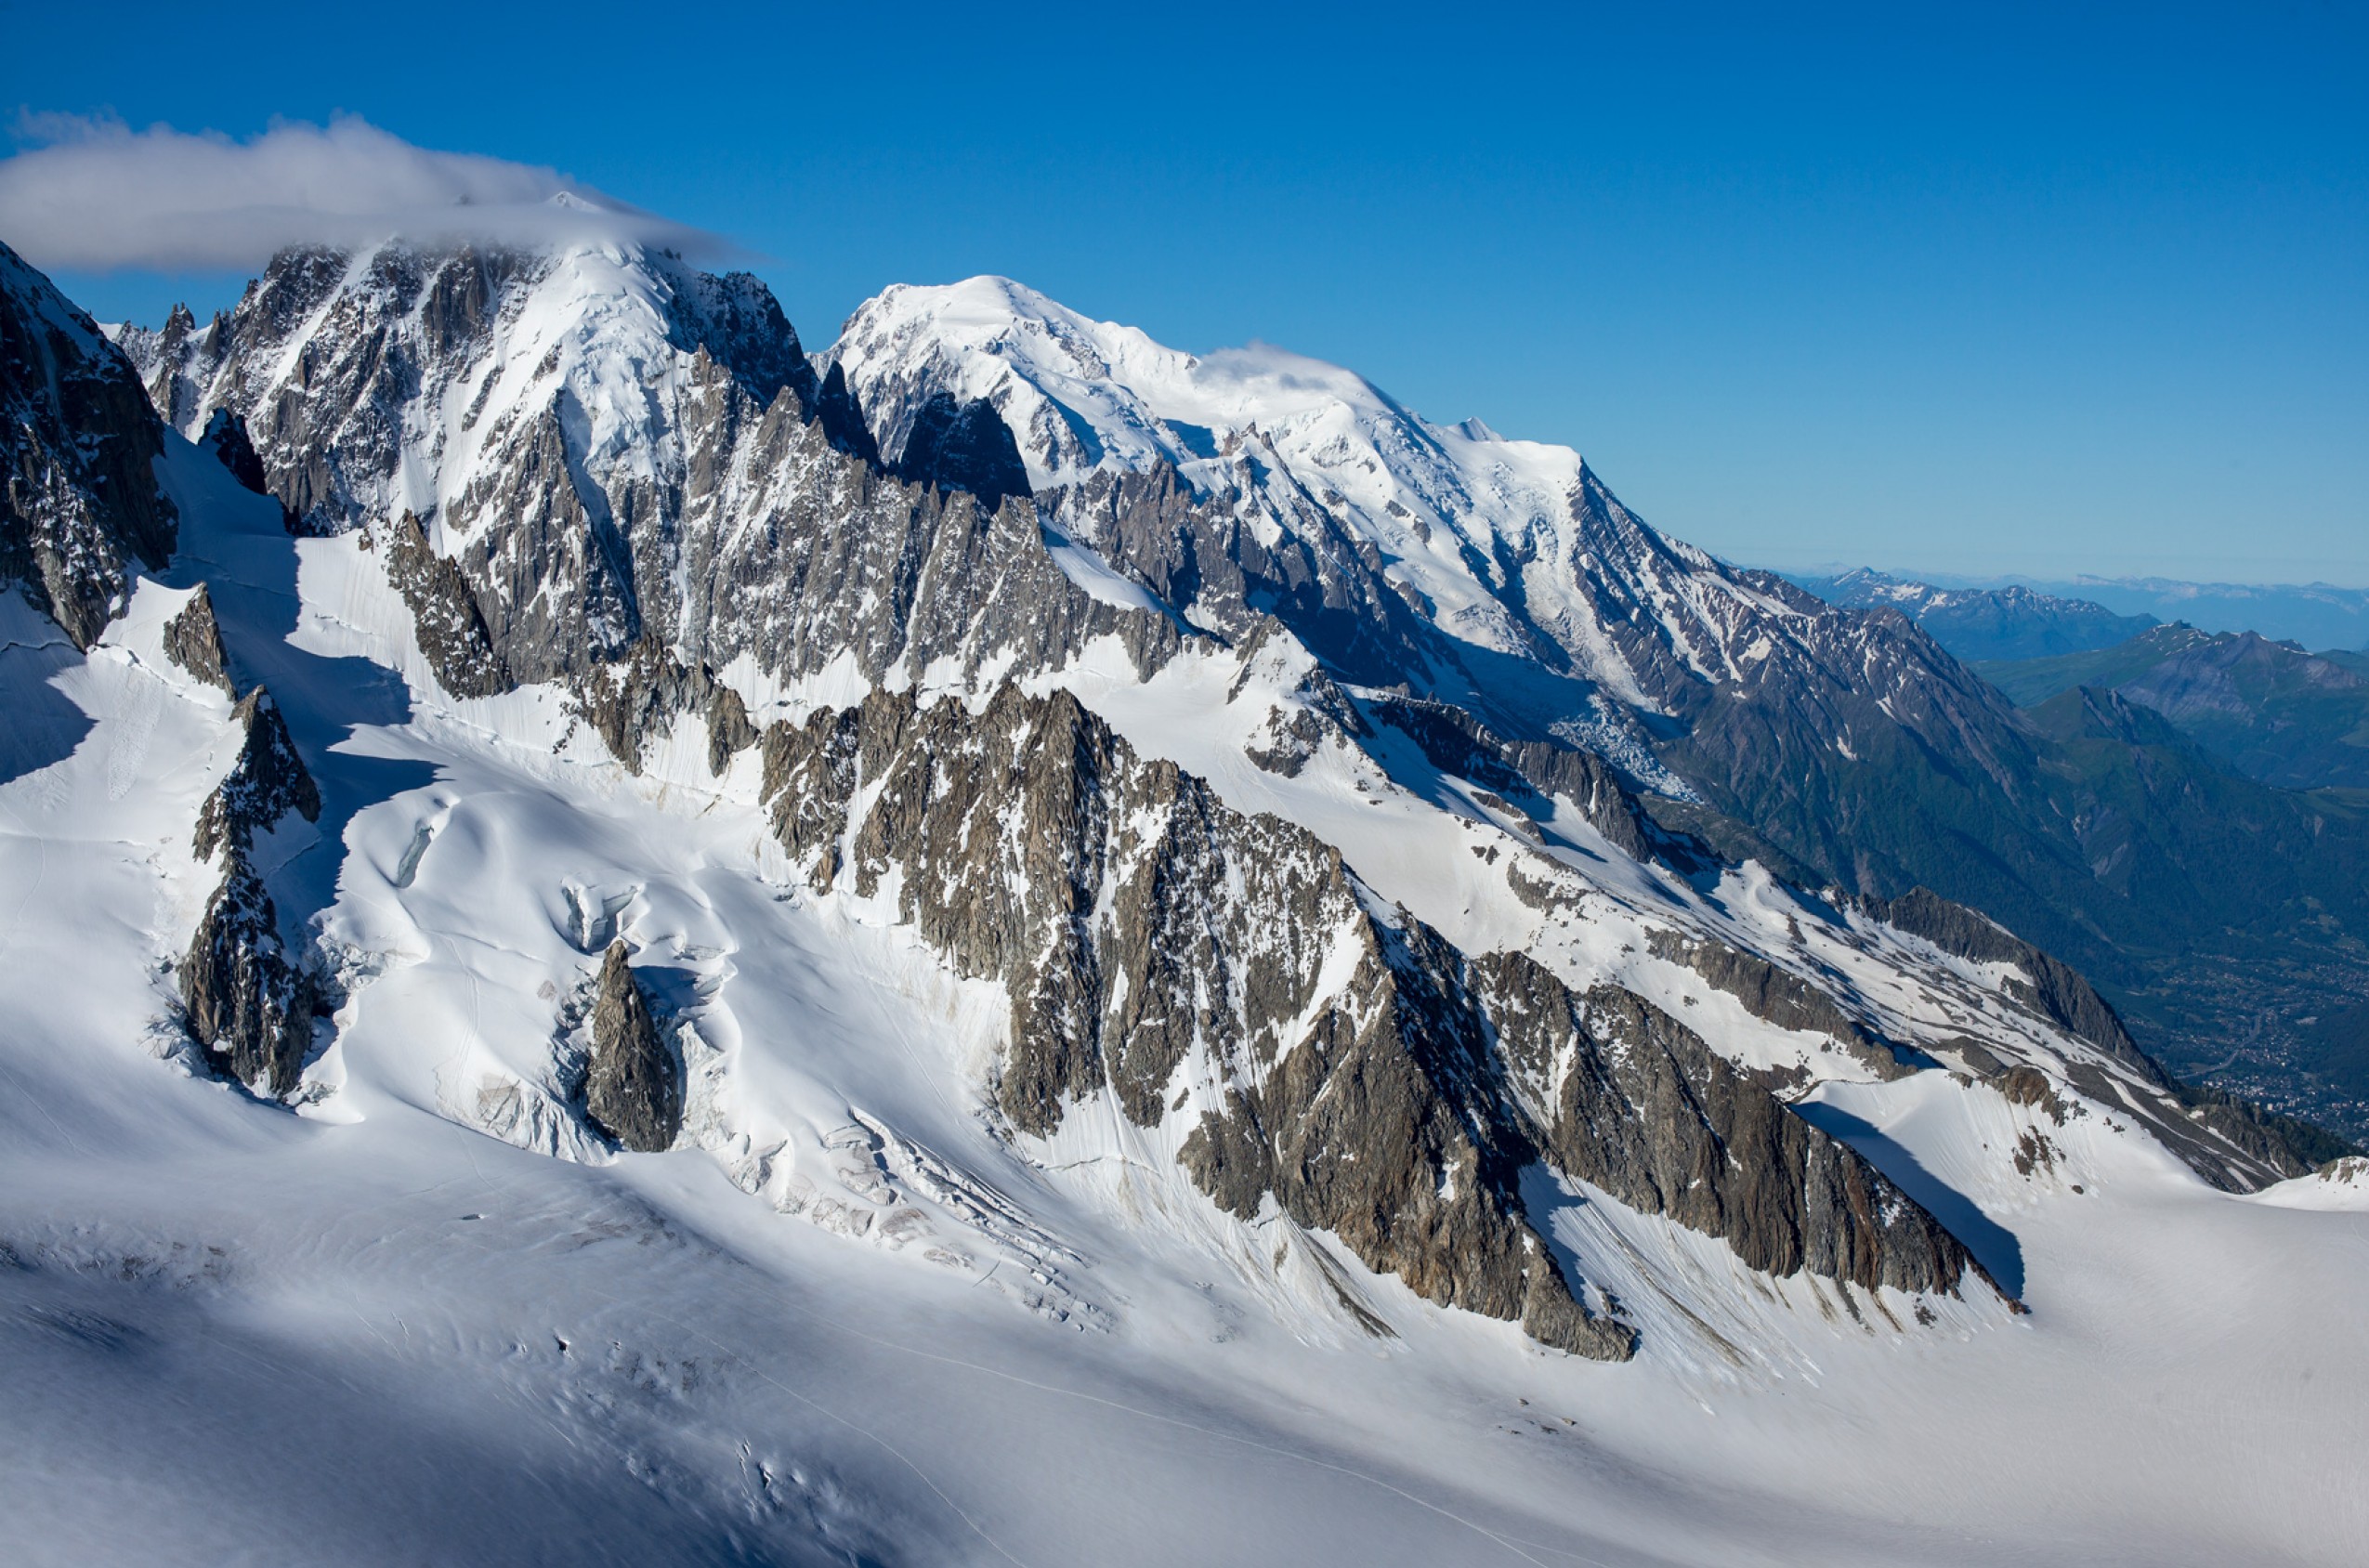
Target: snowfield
[(424, 1316)]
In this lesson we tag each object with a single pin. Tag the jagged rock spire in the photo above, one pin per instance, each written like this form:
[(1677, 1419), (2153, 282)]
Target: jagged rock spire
[(634, 1089)]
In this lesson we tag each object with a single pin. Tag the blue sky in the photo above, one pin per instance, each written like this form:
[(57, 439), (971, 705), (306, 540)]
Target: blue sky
[(2048, 290)]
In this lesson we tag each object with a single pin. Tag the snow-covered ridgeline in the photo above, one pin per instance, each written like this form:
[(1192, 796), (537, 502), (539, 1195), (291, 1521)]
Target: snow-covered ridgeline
[(1510, 545)]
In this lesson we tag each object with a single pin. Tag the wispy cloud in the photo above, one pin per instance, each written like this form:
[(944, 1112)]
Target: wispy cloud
[(96, 195)]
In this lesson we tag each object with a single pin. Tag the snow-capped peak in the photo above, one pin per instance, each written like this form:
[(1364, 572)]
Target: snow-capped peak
[(470, 349), (1512, 546), (1082, 395)]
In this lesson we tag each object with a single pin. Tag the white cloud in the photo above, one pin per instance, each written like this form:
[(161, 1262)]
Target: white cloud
[(94, 195)]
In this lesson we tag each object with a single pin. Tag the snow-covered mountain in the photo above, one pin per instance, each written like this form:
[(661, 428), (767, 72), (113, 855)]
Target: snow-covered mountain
[(1536, 574), (721, 998), (2012, 621), (1504, 578)]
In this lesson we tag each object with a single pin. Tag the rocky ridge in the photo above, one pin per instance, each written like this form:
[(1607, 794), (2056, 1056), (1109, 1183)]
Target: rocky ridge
[(193, 641), (1842, 746), (2013, 621), (734, 507), (80, 507), (247, 991), (1337, 1058)]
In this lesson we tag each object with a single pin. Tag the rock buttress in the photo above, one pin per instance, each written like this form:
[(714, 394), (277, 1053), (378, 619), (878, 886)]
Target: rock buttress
[(1637, 1104), (248, 997)]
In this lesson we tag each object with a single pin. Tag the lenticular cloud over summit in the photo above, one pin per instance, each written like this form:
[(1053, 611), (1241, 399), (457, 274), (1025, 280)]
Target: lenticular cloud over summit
[(95, 194)]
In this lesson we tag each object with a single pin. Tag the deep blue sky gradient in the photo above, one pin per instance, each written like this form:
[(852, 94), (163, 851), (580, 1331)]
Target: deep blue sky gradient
[(2047, 289)]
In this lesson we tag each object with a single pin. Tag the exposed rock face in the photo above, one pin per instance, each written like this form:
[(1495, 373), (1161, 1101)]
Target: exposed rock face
[(1782, 998), (729, 733), (267, 782), (1388, 1122), (447, 626), (1843, 747), (165, 359), (1637, 1104), (2269, 1147), (225, 438), (626, 701), (193, 640), (2029, 1086), (78, 502), (1144, 932), (634, 1085), (1220, 570), (1189, 960), (607, 450), (741, 509), (1456, 743), (249, 998), (842, 418), (962, 446)]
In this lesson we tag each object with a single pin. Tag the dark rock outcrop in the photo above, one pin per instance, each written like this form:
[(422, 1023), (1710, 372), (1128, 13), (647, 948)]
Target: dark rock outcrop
[(632, 1085), (1135, 919), (193, 641), (729, 733), (79, 501), (2285, 1145), (842, 418), (1780, 996), (963, 446), (2030, 1086), (448, 626), (268, 781), (629, 700), (1456, 743), (249, 999), (225, 437), (2053, 990), (1648, 1112)]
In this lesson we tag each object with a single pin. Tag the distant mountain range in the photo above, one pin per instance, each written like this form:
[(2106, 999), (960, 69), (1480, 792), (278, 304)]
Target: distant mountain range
[(2268, 709), (2316, 615), (2013, 621)]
